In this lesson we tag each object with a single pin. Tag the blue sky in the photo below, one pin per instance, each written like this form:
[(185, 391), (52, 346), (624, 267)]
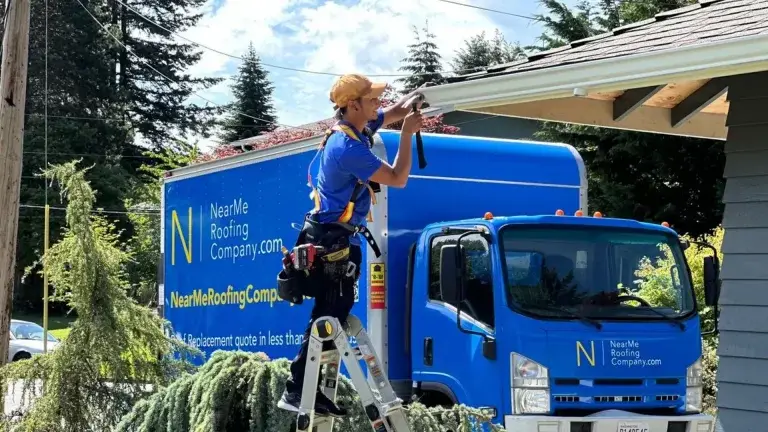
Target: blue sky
[(339, 36)]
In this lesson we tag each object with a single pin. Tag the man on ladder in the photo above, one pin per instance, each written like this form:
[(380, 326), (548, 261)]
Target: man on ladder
[(348, 176)]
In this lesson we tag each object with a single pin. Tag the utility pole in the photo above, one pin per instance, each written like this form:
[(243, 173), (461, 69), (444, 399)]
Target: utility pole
[(13, 96)]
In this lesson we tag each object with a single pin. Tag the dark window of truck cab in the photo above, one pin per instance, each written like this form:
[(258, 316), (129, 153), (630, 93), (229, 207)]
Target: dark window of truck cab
[(478, 285), (556, 271)]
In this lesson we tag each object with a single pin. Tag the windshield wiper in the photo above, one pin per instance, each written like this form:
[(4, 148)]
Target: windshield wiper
[(667, 317), (569, 312)]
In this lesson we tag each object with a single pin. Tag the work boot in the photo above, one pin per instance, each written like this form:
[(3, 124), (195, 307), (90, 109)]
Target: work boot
[(323, 405)]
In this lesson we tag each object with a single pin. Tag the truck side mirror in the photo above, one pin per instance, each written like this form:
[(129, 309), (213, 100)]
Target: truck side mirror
[(449, 273), (711, 283)]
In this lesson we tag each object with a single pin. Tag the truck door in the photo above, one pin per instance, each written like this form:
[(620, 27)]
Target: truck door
[(444, 356)]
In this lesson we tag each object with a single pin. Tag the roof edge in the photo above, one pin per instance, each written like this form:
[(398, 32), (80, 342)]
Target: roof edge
[(701, 61)]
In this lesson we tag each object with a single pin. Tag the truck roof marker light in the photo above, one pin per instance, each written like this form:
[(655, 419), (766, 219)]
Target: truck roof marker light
[(665, 224), (598, 214), (559, 212), (579, 213), (488, 216)]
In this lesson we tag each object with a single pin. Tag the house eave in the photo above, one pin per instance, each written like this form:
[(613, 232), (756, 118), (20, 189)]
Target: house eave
[(730, 57)]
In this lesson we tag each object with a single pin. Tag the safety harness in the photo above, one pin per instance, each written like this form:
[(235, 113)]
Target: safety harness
[(325, 243), (372, 187)]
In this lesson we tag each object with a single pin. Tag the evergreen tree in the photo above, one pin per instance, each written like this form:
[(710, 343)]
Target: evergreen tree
[(565, 25), (158, 108), (638, 175), (80, 98), (253, 96), (422, 62), (480, 52)]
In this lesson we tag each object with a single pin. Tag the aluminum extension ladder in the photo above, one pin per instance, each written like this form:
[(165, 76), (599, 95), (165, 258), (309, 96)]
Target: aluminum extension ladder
[(382, 406)]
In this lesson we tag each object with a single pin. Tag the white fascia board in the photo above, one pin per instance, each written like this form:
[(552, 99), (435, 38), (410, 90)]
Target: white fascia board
[(730, 57)]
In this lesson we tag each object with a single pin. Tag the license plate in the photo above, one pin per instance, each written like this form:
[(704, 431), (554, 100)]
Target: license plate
[(633, 427)]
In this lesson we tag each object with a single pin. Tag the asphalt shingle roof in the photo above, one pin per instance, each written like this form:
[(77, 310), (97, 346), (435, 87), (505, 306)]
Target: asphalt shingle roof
[(704, 22)]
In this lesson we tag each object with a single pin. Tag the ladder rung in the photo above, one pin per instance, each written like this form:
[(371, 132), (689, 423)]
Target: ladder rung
[(333, 355)]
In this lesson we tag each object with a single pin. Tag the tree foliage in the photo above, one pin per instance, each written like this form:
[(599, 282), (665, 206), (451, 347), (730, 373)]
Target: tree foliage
[(144, 204), (99, 372), (103, 99), (422, 63), (480, 52), (158, 109), (79, 96), (239, 391), (638, 175), (253, 100), (656, 286)]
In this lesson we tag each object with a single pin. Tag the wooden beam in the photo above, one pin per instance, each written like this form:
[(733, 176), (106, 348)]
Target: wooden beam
[(13, 96), (591, 112), (698, 100), (632, 99)]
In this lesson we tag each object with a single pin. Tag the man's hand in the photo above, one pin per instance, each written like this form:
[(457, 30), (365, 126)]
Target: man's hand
[(413, 122), (402, 107)]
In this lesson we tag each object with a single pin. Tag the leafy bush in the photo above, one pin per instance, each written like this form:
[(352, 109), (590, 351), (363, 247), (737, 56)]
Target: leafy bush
[(655, 287), (239, 391)]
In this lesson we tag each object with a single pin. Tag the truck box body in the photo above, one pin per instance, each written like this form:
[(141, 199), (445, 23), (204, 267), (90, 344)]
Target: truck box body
[(225, 221)]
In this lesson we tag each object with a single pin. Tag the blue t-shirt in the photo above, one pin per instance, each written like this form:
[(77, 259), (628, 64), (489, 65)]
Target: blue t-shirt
[(344, 161)]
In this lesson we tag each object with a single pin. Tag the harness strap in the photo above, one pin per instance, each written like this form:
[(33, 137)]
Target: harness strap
[(366, 234), (346, 216)]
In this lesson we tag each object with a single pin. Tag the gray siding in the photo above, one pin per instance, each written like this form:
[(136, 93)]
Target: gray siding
[(742, 379), (492, 126)]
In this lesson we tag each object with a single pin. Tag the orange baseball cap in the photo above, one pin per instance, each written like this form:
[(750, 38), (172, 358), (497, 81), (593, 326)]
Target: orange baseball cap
[(354, 86)]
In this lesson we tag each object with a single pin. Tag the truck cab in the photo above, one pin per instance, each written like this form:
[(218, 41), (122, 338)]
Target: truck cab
[(542, 321)]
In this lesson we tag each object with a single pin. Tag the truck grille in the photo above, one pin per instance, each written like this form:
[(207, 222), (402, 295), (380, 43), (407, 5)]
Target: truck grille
[(601, 399), (585, 392)]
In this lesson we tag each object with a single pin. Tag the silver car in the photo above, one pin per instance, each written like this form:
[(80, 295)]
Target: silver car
[(27, 339)]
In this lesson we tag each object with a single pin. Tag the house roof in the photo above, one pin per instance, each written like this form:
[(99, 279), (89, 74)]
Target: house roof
[(316, 126), (704, 22), (668, 74)]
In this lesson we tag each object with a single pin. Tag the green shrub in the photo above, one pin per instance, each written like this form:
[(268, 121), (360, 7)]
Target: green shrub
[(655, 287), (239, 391)]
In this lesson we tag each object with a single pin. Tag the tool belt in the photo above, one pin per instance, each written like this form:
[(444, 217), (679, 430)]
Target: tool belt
[(332, 239)]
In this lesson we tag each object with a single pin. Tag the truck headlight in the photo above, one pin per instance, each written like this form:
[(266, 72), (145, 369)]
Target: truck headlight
[(530, 386), (694, 387)]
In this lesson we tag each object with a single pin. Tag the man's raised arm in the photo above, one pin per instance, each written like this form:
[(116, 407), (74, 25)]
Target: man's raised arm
[(396, 175)]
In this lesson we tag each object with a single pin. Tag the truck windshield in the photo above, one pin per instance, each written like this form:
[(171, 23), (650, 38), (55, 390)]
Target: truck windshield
[(598, 273)]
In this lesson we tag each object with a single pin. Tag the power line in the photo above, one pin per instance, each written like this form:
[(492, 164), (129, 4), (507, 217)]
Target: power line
[(90, 154), (490, 10), (151, 211), (172, 80), (119, 120), (233, 56)]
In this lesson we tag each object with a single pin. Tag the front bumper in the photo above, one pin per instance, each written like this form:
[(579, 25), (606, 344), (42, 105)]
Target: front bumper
[(609, 421)]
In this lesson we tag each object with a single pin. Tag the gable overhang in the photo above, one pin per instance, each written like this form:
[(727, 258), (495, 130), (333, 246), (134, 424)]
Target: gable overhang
[(676, 91)]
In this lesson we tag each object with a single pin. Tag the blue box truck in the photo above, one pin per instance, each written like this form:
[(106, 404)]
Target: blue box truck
[(494, 287)]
